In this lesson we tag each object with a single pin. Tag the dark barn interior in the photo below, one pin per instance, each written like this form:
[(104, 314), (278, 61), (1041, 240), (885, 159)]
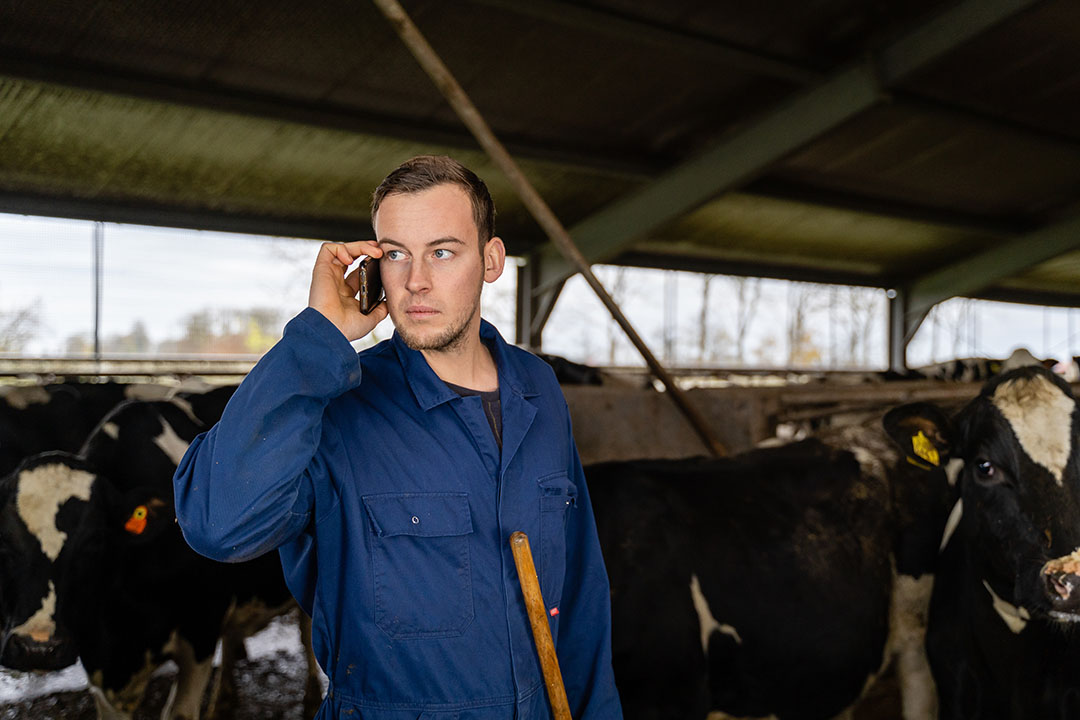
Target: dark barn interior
[(928, 147)]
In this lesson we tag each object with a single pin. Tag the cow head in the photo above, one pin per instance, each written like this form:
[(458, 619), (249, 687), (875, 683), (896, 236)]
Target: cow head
[(50, 536), (140, 443), (1018, 517), (65, 533)]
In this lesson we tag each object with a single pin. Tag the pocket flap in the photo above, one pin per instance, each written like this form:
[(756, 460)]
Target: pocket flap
[(557, 484), (419, 514)]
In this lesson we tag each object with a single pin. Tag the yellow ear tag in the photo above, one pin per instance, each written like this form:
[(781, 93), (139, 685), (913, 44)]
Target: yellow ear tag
[(925, 449)]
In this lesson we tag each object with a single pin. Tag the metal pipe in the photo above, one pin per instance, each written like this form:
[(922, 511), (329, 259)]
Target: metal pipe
[(99, 254), (463, 106)]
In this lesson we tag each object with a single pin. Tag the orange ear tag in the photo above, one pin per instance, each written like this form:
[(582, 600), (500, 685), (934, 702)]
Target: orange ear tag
[(137, 522)]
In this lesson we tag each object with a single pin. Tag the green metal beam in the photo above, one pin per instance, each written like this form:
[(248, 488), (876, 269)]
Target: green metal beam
[(980, 271), (971, 277), (746, 154)]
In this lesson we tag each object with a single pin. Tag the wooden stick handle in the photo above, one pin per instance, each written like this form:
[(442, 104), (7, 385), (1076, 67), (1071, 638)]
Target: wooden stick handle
[(545, 647)]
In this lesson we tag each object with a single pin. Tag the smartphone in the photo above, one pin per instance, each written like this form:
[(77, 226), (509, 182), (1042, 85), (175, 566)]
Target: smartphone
[(371, 290)]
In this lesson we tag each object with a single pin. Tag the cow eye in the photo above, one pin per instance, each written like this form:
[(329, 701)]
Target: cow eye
[(988, 473)]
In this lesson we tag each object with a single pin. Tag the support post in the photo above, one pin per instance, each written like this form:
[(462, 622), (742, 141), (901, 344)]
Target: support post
[(904, 322), (897, 345), (99, 272), (534, 306)]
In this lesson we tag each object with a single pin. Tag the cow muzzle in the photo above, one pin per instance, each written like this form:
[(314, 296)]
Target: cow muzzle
[(1061, 580), (22, 652)]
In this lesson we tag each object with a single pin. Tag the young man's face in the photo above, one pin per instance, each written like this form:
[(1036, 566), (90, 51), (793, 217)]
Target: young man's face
[(432, 269)]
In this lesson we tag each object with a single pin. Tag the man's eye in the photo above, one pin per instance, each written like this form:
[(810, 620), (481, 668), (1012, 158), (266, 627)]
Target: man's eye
[(393, 255), (443, 253)]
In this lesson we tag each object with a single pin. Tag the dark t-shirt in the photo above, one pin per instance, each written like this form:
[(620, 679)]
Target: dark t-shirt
[(492, 407)]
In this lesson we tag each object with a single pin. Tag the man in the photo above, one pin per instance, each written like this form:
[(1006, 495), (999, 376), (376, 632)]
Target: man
[(391, 480)]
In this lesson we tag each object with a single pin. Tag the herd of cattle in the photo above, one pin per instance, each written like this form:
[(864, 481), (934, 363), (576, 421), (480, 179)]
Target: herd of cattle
[(92, 564), (778, 583)]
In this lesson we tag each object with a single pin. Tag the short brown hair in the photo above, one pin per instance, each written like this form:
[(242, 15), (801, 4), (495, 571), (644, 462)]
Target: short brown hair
[(427, 171)]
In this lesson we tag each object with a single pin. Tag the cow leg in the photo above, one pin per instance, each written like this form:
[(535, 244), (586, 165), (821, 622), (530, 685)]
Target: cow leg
[(105, 709), (917, 690), (121, 704), (185, 697), (223, 696), (313, 686), (910, 604), (240, 622)]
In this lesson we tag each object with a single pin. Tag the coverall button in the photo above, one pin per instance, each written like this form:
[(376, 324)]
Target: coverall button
[(415, 520)]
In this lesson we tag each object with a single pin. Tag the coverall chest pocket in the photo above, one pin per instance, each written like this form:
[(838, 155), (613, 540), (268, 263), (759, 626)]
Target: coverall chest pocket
[(557, 496), (420, 562)]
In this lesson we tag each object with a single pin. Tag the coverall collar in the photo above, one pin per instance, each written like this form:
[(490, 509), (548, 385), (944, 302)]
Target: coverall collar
[(430, 391)]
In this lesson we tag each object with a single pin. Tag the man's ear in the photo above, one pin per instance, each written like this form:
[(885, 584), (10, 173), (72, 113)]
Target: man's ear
[(494, 259), (923, 432)]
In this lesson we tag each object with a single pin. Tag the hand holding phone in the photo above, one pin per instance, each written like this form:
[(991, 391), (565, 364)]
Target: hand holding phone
[(334, 291), (371, 289)]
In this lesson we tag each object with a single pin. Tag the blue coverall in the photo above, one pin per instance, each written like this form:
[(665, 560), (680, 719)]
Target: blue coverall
[(392, 506)]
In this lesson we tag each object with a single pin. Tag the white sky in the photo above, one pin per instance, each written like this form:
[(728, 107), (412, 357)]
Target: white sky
[(159, 276)]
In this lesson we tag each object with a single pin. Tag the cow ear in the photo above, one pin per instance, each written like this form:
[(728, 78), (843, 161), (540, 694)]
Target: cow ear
[(923, 432)]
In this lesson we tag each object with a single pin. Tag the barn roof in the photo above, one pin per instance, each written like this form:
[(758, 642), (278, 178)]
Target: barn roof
[(918, 144)]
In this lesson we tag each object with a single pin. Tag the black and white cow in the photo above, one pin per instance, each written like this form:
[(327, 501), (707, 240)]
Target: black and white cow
[(979, 369), (1002, 637), (93, 564), (38, 418), (777, 583)]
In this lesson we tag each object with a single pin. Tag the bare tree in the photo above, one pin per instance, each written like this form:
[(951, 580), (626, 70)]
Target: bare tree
[(703, 322), (18, 327), (860, 321), (802, 350), (135, 341), (747, 294), (227, 330), (79, 344), (618, 289), (948, 322), (767, 351)]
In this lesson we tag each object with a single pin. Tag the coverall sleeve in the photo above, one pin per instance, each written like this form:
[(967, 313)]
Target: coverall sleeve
[(248, 484), (584, 646)]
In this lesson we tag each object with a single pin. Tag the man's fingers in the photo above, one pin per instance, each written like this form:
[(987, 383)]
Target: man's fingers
[(352, 281), (345, 254), (363, 247), (332, 253)]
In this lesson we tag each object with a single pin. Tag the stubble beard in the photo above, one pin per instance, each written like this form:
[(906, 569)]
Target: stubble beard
[(449, 339)]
